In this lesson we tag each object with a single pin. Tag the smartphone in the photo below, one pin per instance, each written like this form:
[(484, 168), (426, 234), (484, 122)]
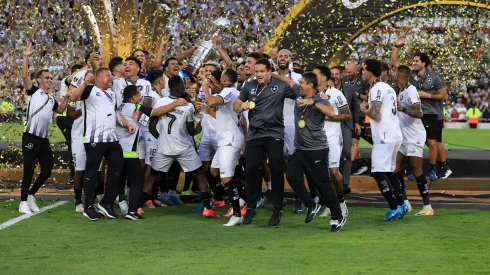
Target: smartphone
[(97, 49)]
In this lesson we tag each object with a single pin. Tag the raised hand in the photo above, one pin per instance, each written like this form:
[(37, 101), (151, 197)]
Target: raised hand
[(400, 41), (28, 51)]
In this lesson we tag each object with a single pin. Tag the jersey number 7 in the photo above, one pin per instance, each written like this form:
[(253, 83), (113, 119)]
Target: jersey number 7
[(172, 120)]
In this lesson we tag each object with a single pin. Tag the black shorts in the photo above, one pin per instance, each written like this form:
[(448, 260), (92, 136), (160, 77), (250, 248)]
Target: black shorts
[(439, 134), (432, 126)]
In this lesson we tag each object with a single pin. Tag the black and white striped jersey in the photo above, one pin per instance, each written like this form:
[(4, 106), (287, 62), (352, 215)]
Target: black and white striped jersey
[(40, 107), (99, 115)]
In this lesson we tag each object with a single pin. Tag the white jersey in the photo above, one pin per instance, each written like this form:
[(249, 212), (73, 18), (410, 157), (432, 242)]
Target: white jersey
[(78, 78), (387, 129), (412, 128), (40, 107), (166, 90), (338, 101), (174, 136), (289, 104), (229, 133), (118, 85), (99, 115), (208, 122), (62, 92), (136, 115), (77, 127)]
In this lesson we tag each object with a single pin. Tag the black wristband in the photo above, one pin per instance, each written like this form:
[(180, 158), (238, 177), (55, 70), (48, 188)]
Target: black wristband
[(399, 46), (315, 101)]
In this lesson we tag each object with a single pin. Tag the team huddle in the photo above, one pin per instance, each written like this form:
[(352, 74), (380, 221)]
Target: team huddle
[(255, 117)]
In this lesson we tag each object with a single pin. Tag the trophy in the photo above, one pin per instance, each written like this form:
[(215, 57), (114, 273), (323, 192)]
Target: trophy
[(206, 50)]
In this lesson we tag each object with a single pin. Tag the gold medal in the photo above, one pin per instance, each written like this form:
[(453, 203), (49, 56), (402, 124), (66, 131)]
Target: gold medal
[(251, 105), (301, 124)]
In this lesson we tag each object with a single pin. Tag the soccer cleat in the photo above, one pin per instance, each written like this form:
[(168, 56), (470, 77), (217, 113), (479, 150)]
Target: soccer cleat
[(133, 216), (243, 211), (312, 210), (31, 201), (79, 208), (234, 220), (229, 213), (176, 200), (208, 213), (218, 203), (249, 215), (260, 202), (432, 175), (411, 177), (123, 205), (107, 211), (337, 225), (149, 204), (24, 208), (393, 214), (200, 207), (343, 208), (405, 210), (325, 213), (275, 218), (186, 193), (361, 170), (425, 212), (140, 211), (91, 213), (298, 207), (445, 173)]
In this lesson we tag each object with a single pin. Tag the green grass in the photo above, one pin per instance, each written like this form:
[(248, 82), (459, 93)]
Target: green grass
[(13, 132), (452, 138), (174, 240), (9, 209)]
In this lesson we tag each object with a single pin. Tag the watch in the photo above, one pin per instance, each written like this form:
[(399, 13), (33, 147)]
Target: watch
[(315, 101)]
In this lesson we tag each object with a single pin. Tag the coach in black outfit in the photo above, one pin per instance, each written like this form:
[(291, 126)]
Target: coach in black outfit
[(311, 154), (264, 98)]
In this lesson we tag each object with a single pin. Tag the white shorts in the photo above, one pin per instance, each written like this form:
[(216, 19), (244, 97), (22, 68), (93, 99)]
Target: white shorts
[(289, 140), (226, 159), (151, 145), (334, 151), (383, 156), (79, 155), (412, 150), (207, 148), (188, 160)]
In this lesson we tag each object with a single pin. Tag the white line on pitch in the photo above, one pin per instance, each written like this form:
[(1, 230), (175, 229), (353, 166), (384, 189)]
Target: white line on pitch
[(27, 216)]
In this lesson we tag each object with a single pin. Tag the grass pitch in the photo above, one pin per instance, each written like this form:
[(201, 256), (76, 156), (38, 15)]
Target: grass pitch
[(173, 240)]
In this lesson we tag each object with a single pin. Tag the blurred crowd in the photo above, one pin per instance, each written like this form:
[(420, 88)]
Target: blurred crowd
[(56, 28)]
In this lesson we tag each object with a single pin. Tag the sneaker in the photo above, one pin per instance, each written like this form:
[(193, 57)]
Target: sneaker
[(445, 173), (79, 208), (123, 205), (260, 202), (208, 213), (347, 189), (393, 214), (298, 207), (432, 175), (249, 215), (234, 220), (325, 213), (176, 200), (275, 218), (361, 170), (218, 203), (312, 210), (133, 216), (149, 204), (337, 225), (24, 208), (425, 212), (229, 213), (343, 208), (411, 177), (107, 211), (91, 213), (243, 211), (31, 201)]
